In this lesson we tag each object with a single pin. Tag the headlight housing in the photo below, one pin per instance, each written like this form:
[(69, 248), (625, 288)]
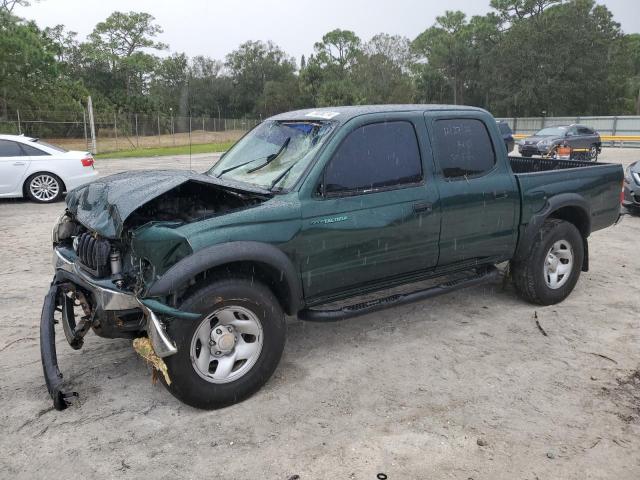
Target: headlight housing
[(55, 238), (63, 229), (636, 177)]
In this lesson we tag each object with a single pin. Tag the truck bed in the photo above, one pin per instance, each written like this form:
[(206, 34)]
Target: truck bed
[(531, 165), (594, 184)]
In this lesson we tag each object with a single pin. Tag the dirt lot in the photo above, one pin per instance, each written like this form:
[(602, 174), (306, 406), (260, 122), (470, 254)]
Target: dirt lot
[(462, 386)]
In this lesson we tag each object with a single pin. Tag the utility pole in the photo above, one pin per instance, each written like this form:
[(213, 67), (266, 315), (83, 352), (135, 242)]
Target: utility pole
[(137, 136), (173, 130), (84, 126), (19, 129), (115, 127), (92, 127)]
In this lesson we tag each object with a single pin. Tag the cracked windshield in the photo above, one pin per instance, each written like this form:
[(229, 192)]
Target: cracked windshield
[(274, 154)]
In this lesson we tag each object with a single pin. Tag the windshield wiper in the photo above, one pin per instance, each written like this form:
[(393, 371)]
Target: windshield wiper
[(226, 170), (281, 176), (273, 156)]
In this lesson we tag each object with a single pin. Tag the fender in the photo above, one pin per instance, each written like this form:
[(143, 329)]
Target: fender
[(530, 230), (217, 255)]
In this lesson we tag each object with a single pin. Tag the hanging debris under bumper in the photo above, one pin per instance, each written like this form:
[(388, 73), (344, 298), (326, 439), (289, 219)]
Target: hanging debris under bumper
[(52, 376)]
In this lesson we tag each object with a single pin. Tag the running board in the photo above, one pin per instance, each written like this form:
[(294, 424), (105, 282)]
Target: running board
[(350, 311)]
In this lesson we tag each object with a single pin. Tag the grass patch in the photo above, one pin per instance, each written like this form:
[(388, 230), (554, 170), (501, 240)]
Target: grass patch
[(163, 151)]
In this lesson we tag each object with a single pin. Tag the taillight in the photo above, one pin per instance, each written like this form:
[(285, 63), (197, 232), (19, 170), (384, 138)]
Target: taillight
[(87, 162)]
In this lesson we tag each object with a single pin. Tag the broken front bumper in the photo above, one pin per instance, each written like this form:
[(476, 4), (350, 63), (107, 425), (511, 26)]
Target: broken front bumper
[(105, 298)]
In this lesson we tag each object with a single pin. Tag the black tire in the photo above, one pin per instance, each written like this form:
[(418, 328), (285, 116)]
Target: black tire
[(186, 383), (529, 275), (633, 210), (34, 187), (593, 152)]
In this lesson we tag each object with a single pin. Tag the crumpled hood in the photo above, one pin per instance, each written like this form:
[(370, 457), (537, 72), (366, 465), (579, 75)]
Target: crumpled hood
[(105, 204)]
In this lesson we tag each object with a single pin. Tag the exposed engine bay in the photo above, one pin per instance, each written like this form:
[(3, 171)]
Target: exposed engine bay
[(189, 202)]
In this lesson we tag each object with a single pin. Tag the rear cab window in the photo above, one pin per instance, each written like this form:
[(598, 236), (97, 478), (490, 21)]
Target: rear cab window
[(377, 156), (463, 148)]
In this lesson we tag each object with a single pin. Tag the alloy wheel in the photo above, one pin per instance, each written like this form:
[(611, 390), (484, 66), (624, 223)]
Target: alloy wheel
[(44, 187)]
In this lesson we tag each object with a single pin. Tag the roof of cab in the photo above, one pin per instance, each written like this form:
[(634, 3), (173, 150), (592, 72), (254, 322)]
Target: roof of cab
[(344, 114)]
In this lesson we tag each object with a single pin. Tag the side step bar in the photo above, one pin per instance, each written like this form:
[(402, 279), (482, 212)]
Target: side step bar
[(313, 315)]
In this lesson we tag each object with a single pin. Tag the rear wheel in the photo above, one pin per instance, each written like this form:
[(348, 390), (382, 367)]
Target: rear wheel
[(44, 188), (232, 350), (550, 272), (593, 152)]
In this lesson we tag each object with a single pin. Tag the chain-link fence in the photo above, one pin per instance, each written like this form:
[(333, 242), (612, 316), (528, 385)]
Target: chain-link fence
[(124, 131), (621, 131), (131, 131)]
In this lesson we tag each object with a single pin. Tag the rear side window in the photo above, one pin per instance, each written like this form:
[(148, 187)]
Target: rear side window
[(463, 147), (32, 151), (585, 131), (10, 149), (375, 156)]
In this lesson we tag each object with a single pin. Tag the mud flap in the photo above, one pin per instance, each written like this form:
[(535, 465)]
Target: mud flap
[(52, 376)]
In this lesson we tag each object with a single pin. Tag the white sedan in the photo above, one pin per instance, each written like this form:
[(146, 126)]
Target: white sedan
[(40, 171)]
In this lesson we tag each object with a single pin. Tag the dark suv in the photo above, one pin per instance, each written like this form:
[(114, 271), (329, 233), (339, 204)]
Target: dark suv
[(545, 141)]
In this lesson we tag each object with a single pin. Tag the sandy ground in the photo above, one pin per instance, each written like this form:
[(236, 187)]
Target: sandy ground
[(464, 386)]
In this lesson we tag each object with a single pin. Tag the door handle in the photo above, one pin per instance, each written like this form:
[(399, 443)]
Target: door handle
[(17, 164), (499, 195), (423, 207)]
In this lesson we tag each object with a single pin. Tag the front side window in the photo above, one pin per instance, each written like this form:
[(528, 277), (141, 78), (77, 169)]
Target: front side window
[(463, 147), (374, 156), (274, 154), (10, 149)]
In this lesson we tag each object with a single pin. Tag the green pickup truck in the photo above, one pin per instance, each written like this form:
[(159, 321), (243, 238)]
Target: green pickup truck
[(316, 214)]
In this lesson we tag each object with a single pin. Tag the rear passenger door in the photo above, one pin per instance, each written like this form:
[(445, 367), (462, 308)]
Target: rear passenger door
[(587, 137), (479, 196), (373, 215), (574, 139)]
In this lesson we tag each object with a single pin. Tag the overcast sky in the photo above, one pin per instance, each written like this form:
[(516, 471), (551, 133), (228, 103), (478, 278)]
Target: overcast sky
[(216, 27)]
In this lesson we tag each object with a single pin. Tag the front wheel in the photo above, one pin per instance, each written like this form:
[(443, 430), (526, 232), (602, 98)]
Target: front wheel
[(550, 272), (232, 350)]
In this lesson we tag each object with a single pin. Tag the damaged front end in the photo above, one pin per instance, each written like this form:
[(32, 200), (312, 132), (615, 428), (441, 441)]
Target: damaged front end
[(116, 238), (83, 303)]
